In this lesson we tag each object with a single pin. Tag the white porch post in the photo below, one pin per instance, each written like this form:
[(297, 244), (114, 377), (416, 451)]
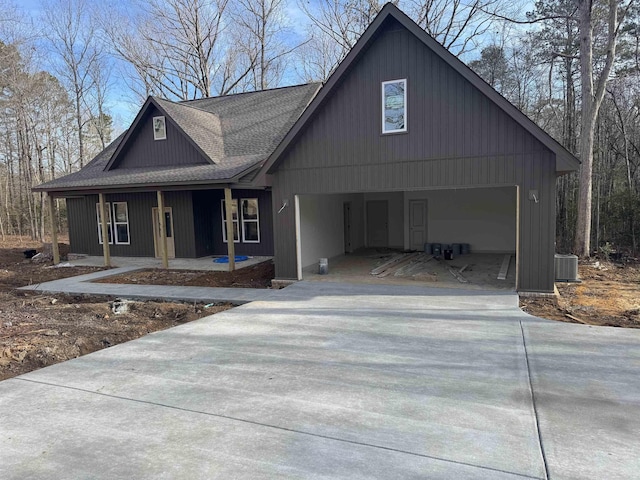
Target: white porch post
[(105, 232), (231, 248)]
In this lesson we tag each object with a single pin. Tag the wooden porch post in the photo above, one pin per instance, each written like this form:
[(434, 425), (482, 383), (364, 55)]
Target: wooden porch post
[(163, 230), (54, 231), (105, 232), (231, 248)]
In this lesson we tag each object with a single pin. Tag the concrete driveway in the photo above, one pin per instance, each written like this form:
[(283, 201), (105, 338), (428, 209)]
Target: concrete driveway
[(338, 381)]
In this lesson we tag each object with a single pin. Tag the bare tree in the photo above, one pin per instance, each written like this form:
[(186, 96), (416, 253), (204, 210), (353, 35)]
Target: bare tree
[(178, 48), (72, 35), (342, 21), (456, 24), (593, 89), (261, 33)]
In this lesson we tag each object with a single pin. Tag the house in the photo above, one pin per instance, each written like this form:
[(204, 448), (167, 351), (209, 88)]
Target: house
[(184, 155), (404, 145)]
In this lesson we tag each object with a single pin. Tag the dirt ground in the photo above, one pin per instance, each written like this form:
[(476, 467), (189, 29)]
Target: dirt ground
[(608, 295), (255, 276), (40, 330)]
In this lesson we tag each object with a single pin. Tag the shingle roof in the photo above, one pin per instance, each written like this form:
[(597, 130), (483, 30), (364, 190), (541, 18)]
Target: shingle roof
[(236, 132)]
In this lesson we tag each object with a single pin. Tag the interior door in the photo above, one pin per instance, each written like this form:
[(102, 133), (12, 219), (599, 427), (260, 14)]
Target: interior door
[(347, 228), (377, 223), (417, 224), (168, 219)]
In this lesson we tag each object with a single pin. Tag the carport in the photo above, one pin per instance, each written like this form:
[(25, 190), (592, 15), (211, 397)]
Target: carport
[(402, 121), (348, 228)]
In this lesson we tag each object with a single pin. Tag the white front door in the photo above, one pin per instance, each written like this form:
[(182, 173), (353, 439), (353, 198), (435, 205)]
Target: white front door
[(417, 224)]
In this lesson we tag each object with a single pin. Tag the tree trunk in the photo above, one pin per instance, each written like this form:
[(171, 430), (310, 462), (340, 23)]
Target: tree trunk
[(590, 105)]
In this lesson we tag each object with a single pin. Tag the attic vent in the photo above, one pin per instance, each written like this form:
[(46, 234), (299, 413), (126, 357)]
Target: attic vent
[(566, 268)]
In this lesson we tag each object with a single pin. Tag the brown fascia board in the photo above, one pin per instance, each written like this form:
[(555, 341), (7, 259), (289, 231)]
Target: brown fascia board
[(134, 126), (565, 161)]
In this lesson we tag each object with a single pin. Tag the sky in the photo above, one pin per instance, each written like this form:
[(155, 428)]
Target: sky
[(123, 103)]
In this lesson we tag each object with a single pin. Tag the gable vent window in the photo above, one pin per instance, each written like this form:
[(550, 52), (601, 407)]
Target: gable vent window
[(394, 106), (159, 128), (119, 218)]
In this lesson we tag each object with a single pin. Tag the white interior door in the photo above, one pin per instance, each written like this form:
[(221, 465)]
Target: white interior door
[(417, 224)]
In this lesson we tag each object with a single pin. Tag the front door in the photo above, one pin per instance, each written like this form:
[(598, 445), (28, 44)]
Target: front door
[(377, 223), (168, 219), (417, 224), (347, 227)]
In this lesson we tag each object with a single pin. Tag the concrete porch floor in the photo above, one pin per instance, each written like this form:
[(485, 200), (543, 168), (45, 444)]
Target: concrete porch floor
[(481, 272), (203, 263)]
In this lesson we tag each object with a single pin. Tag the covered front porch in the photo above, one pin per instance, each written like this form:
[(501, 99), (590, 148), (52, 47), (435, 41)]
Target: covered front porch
[(203, 263)]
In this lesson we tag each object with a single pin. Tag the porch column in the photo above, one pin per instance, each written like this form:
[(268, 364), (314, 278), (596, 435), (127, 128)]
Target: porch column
[(104, 214), (54, 231), (231, 248), (163, 230)]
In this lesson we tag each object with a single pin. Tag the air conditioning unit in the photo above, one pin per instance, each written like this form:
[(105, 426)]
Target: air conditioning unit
[(566, 268)]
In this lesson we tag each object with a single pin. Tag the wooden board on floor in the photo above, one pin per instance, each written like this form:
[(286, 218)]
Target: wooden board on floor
[(407, 258), (389, 263), (504, 269)]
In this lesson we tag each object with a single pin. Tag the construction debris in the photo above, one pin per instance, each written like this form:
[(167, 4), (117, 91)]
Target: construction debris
[(406, 265), (504, 269)]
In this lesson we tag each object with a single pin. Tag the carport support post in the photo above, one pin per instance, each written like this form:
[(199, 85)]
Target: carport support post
[(163, 230), (105, 233), (231, 248), (54, 231)]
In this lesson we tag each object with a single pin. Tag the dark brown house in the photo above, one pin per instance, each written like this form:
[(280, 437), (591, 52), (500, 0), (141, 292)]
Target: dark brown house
[(403, 145)]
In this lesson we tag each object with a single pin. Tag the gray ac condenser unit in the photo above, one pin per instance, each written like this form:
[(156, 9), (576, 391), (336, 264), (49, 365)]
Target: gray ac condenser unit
[(566, 268)]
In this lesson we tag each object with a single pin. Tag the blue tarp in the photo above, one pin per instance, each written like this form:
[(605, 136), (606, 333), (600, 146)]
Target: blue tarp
[(225, 259)]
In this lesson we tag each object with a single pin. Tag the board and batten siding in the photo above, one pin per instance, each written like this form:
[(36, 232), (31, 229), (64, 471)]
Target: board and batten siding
[(83, 224), (143, 151), (211, 202), (456, 138)]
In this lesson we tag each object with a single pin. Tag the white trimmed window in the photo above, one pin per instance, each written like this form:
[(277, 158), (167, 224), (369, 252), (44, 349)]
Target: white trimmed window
[(121, 222), (159, 128), (394, 106), (118, 217), (250, 221), (247, 222), (234, 218)]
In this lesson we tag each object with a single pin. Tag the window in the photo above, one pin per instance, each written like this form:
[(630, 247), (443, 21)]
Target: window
[(159, 128), (249, 220), (119, 218), (234, 218), (121, 222), (99, 217), (394, 106)]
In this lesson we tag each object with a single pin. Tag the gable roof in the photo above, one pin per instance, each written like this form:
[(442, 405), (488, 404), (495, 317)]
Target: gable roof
[(234, 133), (565, 161)]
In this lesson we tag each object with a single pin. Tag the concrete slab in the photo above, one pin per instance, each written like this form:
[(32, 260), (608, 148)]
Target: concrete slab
[(587, 389), (480, 273), (324, 380), (318, 384), (203, 263), (81, 285)]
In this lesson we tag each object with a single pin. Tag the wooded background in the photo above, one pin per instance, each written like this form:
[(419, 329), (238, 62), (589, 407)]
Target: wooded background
[(573, 66)]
